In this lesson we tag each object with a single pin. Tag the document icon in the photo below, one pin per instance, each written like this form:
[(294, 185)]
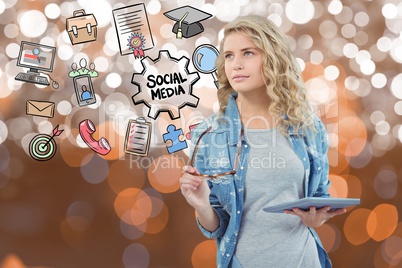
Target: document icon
[(138, 137), (40, 108), (133, 31)]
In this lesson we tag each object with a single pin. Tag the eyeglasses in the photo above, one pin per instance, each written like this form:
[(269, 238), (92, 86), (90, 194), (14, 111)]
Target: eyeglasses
[(214, 176)]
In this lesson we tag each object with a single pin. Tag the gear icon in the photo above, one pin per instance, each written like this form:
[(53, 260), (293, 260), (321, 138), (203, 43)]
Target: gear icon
[(165, 85)]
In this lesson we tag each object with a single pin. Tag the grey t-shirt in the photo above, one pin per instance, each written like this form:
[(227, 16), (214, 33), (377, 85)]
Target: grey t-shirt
[(274, 175)]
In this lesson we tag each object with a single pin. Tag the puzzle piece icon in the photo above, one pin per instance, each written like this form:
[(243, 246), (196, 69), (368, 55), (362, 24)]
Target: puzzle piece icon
[(173, 135)]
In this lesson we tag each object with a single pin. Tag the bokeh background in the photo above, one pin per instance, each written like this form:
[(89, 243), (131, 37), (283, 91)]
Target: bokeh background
[(80, 209)]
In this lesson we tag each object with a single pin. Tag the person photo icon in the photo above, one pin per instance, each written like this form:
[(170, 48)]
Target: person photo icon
[(92, 72), (85, 95), (73, 72), (83, 65)]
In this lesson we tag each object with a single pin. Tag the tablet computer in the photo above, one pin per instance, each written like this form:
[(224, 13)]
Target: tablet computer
[(318, 202)]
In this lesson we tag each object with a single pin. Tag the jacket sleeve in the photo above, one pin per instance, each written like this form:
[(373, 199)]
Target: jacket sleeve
[(213, 199), (321, 158), (222, 215)]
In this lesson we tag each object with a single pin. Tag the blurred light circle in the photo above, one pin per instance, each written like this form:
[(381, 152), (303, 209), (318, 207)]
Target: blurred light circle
[(275, 8), (389, 11), (362, 55), (64, 107), (113, 80), (316, 57), (226, 12), (352, 83), (52, 11), (348, 30), (396, 86), (47, 40), (362, 19), (275, 18), (209, 8), (382, 127), (153, 7), (398, 108), (12, 50), (130, 231), (400, 134), (305, 41), (379, 80), (135, 256), (345, 16), (328, 29), (386, 184), (384, 44), (2, 7), (45, 126), (331, 73), (123, 175), (335, 7), (330, 237), (164, 173), (102, 10), (79, 215), (11, 30), (299, 11), (3, 132), (133, 206), (33, 23), (392, 250), (354, 234), (65, 52), (18, 127), (319, 90), (367, 67), (158, 219), (361, 38), (352, 135), (166, 30), (204, 254), (396, 50), (101, 63), (376, 117), (96, 170), (338, 187), (382, 221), (360, 161), (301, 63)]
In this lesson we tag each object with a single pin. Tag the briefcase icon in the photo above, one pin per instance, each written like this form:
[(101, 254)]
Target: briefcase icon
[(40, 108), (81, 27)]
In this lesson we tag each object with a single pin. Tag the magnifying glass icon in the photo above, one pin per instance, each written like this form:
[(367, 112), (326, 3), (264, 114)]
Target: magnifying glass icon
[(204, 57), (36, 52)]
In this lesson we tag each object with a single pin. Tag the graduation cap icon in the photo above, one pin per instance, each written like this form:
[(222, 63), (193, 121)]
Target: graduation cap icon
[(187, 21)]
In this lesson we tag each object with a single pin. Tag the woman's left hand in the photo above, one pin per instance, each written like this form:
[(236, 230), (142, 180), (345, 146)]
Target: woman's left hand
[(315, 218)]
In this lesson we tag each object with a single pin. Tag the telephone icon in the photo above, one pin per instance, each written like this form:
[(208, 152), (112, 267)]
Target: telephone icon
[(86, 129)]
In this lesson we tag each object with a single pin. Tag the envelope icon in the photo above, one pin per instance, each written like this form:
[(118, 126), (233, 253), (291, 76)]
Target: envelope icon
[(40, 108)]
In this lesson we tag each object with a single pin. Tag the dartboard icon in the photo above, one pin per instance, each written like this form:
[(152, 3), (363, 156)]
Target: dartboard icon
[(42, 147)]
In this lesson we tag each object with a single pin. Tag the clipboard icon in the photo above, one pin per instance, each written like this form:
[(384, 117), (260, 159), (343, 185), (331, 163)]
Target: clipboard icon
[(138, 137)]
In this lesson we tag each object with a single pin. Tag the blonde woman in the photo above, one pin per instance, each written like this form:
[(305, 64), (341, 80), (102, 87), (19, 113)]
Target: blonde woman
[(263, 147)]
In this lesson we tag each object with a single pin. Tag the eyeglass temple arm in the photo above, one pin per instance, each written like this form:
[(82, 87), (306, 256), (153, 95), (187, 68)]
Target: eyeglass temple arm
[(196, 146), (239, 147)]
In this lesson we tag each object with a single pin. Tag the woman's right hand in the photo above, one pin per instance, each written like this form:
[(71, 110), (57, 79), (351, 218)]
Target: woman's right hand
[(194, 188)]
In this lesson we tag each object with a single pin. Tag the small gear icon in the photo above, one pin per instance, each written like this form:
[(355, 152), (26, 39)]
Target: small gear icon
[(165, 85)]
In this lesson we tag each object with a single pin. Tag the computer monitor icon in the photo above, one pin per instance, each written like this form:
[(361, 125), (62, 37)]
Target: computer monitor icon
[(36, 57)]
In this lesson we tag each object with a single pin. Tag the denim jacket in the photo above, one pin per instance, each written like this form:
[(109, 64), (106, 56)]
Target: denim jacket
[(216, 154)]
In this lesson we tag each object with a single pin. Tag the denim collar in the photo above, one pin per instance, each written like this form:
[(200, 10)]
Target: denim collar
[(230, 119)]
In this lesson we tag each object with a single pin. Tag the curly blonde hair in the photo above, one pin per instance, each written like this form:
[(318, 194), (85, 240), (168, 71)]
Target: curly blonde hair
[(282, 74)]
